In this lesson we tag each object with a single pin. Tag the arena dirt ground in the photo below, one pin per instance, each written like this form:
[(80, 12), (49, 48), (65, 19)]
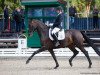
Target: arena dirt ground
[(44, 66)]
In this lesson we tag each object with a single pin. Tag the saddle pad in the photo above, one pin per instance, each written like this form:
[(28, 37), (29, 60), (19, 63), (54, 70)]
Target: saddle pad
[(61, 34), (50, 36)]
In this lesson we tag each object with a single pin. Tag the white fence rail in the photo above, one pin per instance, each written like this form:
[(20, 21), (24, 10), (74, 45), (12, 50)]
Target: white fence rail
[(29, 51), (22, 50)]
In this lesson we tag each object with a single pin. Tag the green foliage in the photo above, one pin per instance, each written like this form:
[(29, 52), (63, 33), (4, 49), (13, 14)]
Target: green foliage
[(9, 3), (1, 10), (79, 4), (97, 4)]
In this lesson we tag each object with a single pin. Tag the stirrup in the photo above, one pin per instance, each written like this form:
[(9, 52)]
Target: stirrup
[(57, 44)]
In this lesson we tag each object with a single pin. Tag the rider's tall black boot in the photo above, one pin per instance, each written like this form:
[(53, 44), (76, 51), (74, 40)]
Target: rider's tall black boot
[(56, 40)]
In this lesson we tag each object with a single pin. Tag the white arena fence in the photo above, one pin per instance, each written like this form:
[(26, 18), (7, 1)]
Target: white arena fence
[(29, 51), (22, 50)]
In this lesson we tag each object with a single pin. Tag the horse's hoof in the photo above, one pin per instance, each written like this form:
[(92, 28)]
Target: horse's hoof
[(56, 67), (70, 63), (90, 65), (27, 61)]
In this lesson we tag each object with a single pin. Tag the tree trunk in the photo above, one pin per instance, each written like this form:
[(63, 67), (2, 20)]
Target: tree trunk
[(88, 5)]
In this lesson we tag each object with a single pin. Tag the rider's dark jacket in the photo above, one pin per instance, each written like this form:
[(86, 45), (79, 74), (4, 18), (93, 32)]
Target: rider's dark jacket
[(58, 21)]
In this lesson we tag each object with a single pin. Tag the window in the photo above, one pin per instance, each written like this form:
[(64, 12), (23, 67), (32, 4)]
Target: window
[(50, 12), (35, 12)]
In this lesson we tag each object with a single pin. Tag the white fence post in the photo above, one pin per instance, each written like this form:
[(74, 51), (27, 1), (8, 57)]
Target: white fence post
[(22, 44)]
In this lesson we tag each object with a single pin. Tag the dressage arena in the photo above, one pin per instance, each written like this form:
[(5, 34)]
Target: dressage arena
[(13, 62), (44, 66)]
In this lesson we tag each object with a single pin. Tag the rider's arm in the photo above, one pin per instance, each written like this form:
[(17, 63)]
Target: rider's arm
[(58, 21)]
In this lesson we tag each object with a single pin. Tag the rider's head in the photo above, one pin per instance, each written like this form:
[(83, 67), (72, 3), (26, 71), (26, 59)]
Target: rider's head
[(59, 9)]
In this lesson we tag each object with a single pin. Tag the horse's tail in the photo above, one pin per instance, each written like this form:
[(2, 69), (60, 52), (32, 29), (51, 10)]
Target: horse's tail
[(90, 42)]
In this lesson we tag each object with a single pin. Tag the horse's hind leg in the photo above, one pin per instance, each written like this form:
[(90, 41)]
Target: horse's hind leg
[(75, 52), (86, 54)]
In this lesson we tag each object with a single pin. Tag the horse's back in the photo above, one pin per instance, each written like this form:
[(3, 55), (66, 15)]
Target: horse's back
[(73, 32), (75, 35)]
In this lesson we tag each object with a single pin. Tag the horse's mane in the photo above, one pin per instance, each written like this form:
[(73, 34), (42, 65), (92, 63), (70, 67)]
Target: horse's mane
[(44, 26)]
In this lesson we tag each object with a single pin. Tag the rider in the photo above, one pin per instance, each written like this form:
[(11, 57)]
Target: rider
[(58, 25)]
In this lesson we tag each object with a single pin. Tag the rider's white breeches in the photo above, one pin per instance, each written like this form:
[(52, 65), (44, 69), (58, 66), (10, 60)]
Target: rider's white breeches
[(55, 30)]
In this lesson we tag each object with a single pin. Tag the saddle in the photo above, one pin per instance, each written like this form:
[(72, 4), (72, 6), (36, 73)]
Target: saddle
[(60, 35)]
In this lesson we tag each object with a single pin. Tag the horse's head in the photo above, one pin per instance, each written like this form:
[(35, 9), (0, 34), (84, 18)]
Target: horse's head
[(32, 27), (37, 25)]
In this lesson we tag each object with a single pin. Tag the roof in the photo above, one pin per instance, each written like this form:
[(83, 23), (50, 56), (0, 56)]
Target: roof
[(43, 2)]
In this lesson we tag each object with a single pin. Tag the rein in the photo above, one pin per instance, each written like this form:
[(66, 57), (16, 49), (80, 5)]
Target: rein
[(33, 31)]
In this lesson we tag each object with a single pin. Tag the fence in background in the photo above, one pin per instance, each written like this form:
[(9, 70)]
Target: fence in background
[(83, 24), (79, 23), (21, 48)]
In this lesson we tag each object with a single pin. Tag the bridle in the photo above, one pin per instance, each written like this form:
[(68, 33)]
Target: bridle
[(32, 31)]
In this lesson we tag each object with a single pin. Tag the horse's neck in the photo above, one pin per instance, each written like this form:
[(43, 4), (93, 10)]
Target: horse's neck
[(43, 32)]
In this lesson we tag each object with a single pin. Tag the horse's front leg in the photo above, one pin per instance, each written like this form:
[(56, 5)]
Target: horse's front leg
[(35, 52), (54, 57)]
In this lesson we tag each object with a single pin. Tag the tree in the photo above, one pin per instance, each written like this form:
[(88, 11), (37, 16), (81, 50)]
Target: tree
[(85, 6), (2, 4), (11, 3)]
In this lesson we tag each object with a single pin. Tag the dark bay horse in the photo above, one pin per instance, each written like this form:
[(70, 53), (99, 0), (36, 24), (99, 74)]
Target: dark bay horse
[(73, 38)]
